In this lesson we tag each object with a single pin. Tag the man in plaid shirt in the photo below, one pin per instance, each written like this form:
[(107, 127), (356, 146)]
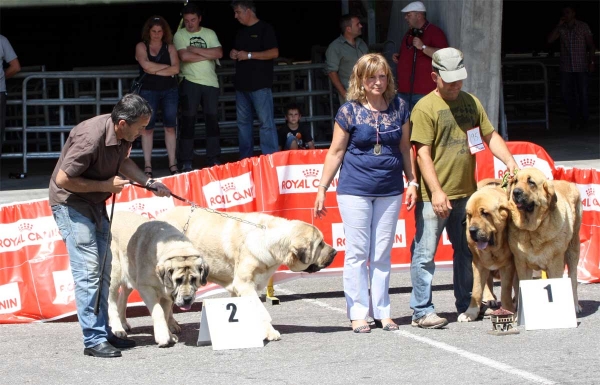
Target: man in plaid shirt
[(577, 51)]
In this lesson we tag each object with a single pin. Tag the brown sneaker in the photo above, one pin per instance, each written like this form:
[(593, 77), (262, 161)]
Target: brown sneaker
[(430, 321)]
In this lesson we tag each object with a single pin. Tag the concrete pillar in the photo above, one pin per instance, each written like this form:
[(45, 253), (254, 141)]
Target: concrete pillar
[(480, 41), (345, 7), (371, 23)]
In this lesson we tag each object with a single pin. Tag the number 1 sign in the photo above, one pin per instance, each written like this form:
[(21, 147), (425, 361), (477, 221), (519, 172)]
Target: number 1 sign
[(546, 304), (231, 323)]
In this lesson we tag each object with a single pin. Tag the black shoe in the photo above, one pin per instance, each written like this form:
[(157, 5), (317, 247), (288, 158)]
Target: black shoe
[(121, 343), (102, 350), (213, 162), (173, 169), (187, 167)]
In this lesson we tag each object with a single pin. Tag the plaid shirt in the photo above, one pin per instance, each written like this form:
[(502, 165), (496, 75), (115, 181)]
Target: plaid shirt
[(573, 51)]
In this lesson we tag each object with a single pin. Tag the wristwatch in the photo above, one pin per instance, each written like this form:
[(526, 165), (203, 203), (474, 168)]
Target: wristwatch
[(424, 46), (249, 55)]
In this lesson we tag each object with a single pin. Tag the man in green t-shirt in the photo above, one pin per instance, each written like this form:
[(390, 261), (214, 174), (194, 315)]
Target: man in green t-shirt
[(199, 50), (448, 127)]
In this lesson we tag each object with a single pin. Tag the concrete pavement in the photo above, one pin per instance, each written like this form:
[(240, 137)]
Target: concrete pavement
[(318, 347)]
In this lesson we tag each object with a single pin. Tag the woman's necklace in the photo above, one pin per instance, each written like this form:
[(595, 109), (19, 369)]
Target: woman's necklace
[(377, 146)]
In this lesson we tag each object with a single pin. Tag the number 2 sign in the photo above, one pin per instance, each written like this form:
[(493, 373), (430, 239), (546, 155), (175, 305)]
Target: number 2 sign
[(546, 304), (232, 323)]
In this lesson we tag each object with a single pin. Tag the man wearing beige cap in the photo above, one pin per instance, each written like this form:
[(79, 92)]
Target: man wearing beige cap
[(414, 58), (449, 127)]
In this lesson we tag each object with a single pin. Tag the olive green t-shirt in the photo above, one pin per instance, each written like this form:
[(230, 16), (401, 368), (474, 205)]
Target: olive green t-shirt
[(443, 126)]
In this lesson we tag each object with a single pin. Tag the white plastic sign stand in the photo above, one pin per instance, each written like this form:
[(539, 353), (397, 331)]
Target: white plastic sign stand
[(546, 304), (232, 323)]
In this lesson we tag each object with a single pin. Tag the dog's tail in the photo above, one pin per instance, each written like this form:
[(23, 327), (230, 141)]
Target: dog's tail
[(572, 254)]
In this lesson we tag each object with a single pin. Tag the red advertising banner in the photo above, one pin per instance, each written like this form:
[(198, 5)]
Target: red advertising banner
[(35, 277)]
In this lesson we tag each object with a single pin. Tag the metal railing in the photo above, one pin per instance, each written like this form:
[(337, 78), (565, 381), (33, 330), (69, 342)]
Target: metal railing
[(71, 96), (533, 75)]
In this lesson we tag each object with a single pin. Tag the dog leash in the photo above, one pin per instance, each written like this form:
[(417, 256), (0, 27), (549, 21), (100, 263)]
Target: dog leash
[(196, 206), (506, 178)]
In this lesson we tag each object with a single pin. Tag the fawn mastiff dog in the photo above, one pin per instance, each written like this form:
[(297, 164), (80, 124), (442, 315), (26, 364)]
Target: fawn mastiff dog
[(487, 237), (544, 226), (158, 261), (243, 250)]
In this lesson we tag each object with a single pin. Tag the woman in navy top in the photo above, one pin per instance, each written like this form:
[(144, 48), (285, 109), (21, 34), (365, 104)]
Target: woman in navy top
[(371, 148)]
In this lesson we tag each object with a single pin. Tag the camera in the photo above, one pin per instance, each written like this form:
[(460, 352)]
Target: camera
[(416, 32)]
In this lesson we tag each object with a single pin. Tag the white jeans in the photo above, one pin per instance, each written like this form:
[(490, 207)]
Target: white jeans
[(370, 228)]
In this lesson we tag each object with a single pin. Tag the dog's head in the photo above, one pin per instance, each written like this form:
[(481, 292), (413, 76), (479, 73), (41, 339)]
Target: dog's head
[(487, 216), (308, 252), (531, 198), (181, 277)]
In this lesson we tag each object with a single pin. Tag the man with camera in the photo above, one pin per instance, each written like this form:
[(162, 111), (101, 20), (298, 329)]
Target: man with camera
[(416, 49)]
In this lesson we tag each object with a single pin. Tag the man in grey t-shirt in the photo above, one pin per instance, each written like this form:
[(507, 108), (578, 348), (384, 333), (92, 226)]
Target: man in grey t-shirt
[(7, 54), (344, 52)]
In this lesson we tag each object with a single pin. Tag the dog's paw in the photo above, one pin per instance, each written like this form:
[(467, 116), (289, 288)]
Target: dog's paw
[(174, 327), (273, 335), (126, 326), (578, 308), (166, 340), (119, 333), (469, 315)]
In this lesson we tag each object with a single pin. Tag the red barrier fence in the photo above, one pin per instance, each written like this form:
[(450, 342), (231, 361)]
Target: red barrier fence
[(36, 282)]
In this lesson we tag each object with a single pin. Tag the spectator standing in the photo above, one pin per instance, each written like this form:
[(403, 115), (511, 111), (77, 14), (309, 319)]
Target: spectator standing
[(343, 52), (199, 50), (295, 135), (371, 148), (8, 55), (158, 59), (577, 50), (86, 174), (441, 123), (254, 50), (416, 49)]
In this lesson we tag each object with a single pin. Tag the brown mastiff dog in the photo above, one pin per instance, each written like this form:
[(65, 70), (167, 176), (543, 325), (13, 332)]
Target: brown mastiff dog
[(487, 237), (544, 226)]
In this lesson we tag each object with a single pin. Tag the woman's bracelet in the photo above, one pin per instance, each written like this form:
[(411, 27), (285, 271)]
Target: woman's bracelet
[(324, 186), (411, 183)]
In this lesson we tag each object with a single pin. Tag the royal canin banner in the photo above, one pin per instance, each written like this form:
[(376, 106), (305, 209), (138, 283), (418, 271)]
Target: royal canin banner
[(35, 278)]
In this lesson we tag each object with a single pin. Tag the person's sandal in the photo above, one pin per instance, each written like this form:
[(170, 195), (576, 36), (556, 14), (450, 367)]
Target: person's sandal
[(390, 327), (173, 171), (362, 329), (148, 173)]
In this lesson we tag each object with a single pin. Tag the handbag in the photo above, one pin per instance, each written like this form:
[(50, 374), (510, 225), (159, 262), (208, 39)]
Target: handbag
[(136, 83)]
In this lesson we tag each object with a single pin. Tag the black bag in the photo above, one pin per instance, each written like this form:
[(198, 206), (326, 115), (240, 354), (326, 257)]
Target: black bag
[(136, 84)]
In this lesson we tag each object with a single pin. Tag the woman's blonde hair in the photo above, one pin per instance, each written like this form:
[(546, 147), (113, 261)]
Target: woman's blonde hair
[(157, 20), (366, 66)]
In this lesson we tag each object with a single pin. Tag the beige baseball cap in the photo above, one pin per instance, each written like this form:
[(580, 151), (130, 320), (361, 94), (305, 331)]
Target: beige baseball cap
[(415, 6), (449, 61)]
